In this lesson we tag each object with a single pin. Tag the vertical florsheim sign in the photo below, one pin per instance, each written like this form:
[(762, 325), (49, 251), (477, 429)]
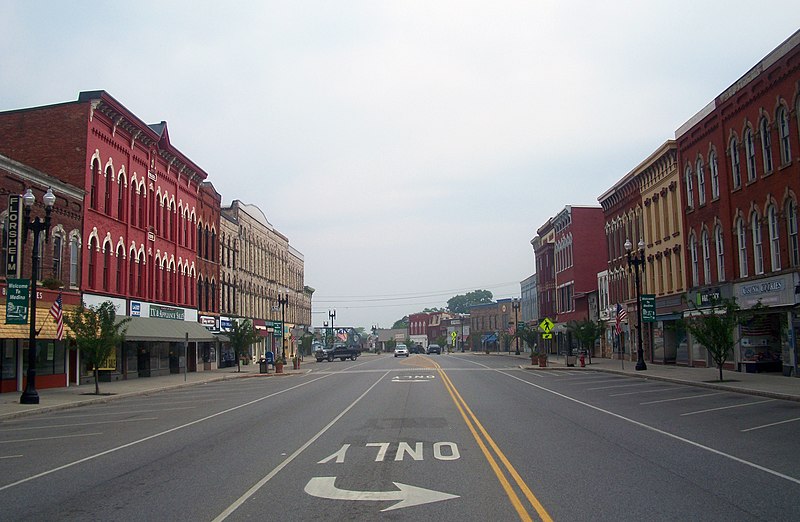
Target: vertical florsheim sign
[(13, 226)]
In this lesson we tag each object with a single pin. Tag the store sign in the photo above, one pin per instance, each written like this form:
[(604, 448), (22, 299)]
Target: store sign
[(762, 288), (14, 228), (649, 308), (709, 296), (209, 322), (776, 291), (17, 301), (166, 312), (225, 324)]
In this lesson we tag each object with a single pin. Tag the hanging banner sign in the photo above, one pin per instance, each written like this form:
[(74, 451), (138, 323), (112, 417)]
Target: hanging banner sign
[(17, 301), (14, 228), (649, 308)]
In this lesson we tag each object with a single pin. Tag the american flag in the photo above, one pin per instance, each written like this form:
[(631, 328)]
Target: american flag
[(622, 314), (57, 312)]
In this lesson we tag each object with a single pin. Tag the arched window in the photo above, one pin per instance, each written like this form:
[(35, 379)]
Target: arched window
[(200, 240), (693, 257), (758, 254), (118, 276), (706, 248), (791, 232), (750, 155), (701, 183), (766, 145), (783, 136), (741, 234), (213, 245), (132, 271), (74, 262), (92, 262), (106, 267), (107, 195), (720, 253), (134, 200), (213, 296), (141, 201), (689, 188), (714, 168), (774, 238), (121, 192), (93, 202), (200, 293), (58, 252), (140, 277), (736, 165)]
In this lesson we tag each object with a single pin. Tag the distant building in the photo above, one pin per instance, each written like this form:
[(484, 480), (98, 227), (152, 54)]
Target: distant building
[(529, 312)]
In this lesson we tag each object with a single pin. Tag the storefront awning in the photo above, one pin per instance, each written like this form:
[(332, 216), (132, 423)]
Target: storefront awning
[(150, 329)]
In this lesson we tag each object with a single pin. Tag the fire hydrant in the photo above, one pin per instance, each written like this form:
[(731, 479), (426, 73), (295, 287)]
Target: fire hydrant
[(583, 361)]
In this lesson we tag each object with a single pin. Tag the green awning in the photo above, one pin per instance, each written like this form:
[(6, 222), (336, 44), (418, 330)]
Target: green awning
[(151, 329)]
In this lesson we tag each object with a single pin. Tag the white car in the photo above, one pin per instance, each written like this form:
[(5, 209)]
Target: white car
[(401, 349)]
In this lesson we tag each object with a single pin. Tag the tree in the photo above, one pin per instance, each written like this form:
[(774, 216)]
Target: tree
[(401, 323), (242, 335), (586, 332), (714, 328), (96, 332), (460, 304)]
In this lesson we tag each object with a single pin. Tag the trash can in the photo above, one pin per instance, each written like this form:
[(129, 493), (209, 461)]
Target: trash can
[(262, 365)]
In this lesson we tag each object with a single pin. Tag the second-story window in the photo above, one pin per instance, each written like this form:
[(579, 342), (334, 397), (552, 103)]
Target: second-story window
[(750, 155), (791, 232), (774, 238), (766, 145), (758, 253), (736, 165), (718, 243), (741, 234), (714, 168)]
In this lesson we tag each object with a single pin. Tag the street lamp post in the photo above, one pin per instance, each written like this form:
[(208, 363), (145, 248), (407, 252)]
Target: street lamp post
[(636, 264), (283, 300), (515, 306), (332, 316), (325, 325), (37, 226)]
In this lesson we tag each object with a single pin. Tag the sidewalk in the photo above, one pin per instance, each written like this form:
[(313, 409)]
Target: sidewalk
[(772, 385), (51, 399)]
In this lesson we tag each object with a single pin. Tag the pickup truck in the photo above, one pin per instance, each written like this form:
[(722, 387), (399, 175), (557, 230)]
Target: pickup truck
[(339, 351)]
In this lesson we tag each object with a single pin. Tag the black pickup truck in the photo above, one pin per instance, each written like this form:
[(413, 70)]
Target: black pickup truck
[(339, 351)]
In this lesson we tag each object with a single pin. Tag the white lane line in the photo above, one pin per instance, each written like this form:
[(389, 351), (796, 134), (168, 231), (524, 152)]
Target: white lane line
[(683, 398), (11, 457), (155, 435), (77, 424), (258, 485), (131, 412), (771, 424), (596, 381), (726, 407), (662, 432), (620, 386), (640, 392), (50, 438)]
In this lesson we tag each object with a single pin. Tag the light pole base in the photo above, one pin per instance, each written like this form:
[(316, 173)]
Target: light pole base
[(640, 365), (29, 397)]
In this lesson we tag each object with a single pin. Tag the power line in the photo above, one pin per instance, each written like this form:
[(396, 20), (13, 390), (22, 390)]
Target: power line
[(400, 297)]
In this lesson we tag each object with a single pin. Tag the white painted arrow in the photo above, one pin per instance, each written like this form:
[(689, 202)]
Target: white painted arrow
[(325, 487)]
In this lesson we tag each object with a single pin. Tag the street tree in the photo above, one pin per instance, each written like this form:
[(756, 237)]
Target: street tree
[(460, 304), (715, 328), (586, 332), (530, 336), (401, 323), (97, 332), (242, 335)]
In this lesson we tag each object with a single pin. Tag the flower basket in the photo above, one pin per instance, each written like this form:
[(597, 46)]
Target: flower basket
[(542, 360)]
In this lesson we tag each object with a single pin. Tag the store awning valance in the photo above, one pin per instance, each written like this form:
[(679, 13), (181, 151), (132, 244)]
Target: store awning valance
[(151, 329)]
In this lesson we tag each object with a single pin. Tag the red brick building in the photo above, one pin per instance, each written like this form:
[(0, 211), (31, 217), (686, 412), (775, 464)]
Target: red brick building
[(58, 272), (544, 253), (739, 159), (140, 212)]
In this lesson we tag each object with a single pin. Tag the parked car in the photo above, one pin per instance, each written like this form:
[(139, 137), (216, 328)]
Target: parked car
[(401, 349), (434, 348), (416, 348)]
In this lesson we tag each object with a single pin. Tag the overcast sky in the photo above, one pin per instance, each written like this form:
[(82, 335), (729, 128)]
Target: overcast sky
[(409, 149)]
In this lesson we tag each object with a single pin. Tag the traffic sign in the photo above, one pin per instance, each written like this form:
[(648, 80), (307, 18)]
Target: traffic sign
[(546, 325), (547, 336)]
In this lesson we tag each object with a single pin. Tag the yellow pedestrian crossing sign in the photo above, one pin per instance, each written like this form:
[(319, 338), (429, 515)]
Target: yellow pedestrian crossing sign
[(546, 326)]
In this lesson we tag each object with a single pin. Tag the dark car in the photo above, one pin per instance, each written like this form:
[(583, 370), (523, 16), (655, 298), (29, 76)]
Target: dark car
[(434, 348), (416, 348)]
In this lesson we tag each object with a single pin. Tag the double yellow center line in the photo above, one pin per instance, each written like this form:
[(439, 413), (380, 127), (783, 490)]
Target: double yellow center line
[(490, 451)]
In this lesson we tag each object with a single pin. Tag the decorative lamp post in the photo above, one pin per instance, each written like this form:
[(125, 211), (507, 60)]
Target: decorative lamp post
[(636, 264), (332, 316), (283, 300), (37, 226), (515, 306), (325, 325)]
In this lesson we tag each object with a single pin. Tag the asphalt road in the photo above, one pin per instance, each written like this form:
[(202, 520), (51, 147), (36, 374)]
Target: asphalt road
[(452, 437)]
